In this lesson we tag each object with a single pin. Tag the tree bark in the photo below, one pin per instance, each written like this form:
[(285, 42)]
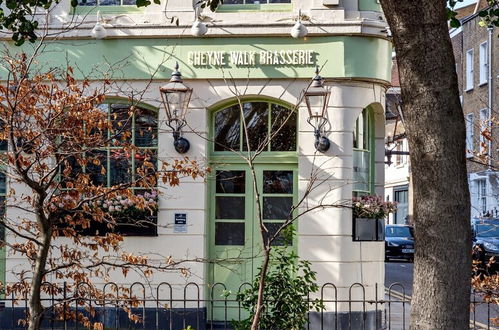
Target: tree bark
[(34, 302), (435, 127)]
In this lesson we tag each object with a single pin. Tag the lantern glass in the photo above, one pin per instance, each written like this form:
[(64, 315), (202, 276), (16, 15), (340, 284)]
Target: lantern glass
[(176, 97), (317, 101)]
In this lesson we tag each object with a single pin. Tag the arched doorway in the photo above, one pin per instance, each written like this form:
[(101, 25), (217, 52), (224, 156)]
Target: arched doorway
[(234, 241)]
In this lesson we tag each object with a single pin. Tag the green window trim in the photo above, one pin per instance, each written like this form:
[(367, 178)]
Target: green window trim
[(115, 9), (266, 7), (265, 156), (153, 148), (368, 147)]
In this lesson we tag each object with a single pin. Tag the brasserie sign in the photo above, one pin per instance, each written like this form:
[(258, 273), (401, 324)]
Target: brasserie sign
[(251, 58)]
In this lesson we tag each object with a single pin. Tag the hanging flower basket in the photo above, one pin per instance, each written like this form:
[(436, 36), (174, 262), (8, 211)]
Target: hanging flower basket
[(369, 213)]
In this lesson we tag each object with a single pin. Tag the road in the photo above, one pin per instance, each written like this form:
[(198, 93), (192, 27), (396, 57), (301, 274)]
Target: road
[(401, 272)]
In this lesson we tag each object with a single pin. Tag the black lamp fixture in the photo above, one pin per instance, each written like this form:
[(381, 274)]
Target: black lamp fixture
[(175, 97), (316, 97)]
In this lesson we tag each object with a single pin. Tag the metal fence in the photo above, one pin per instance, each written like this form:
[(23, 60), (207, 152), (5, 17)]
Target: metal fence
[(174, 307)]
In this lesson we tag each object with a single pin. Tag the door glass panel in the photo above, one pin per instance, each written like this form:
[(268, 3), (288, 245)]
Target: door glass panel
[(278, 182), (231, 182), (227, 129), (229, 207), (272, 228), (256, 117), (284, 123), (277, 208), (229, 233)]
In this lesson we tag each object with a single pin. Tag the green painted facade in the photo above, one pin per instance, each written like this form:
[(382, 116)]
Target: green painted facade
[(137, 59)]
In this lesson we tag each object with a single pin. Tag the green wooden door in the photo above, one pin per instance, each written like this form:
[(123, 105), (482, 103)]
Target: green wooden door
[(235, 238)]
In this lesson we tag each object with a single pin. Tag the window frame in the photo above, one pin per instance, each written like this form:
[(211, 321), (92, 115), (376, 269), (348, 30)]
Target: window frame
[(265, 156), (470, 135), (483, 63), (484, 124), (226, 7), (369, 142), (108, 150), (481, 187), (469, 79)]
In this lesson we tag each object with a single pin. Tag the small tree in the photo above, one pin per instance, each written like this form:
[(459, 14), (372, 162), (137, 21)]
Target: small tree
[(54, 128)]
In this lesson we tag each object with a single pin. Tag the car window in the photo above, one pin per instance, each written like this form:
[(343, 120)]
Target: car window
[(487, 230), (399, 232)]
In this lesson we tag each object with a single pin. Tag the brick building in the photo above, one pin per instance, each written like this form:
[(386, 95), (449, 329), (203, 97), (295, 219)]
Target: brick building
[(474, 49)]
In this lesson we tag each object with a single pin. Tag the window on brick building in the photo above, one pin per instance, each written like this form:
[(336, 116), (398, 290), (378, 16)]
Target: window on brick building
[(484, 63), (469, 69), (484, 128), (469, 135), (481, 188)]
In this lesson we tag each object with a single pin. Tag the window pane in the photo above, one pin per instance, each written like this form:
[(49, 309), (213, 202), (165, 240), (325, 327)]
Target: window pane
[(2, 209), (109, 2), (146, 128), (97, 167), (3, 143), (146, 164), (284, 123), (231, 182), (3, 184), (277, 208), (121, 118), (272, 228), (361, 170), (229, 233), (87, 3), (73, 170), (129, 2), (229, 208), (278, 182), (256, 115), (227, 129), (121, 167)]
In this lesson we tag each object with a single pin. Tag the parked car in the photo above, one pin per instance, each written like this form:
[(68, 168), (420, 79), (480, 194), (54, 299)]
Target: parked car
[(486, 242), (399, 242)]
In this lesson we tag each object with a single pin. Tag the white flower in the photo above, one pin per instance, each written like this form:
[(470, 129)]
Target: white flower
[(105, 205), (111, 208), (117, 208)]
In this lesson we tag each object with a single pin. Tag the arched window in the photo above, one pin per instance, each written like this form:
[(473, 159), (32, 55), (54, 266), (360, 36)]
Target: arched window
[(264, 121), (234, 232), (363, 154), (116, 165)]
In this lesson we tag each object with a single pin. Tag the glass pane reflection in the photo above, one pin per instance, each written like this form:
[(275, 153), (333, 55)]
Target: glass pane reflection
[(231, 182), (277, 208), (229, 207), (278, 182)]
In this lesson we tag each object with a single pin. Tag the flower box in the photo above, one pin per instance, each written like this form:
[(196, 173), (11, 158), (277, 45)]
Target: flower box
[(367, 229)]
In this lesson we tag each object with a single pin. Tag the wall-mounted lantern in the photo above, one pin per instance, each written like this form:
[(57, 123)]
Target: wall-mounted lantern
[(316, 97), (175, 97)]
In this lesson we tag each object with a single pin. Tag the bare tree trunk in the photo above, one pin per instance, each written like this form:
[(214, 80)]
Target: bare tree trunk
[(261, 287), (436, 132), (34, 302)]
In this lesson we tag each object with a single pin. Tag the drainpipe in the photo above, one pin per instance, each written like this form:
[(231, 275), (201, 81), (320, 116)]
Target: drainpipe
[(489, 85)]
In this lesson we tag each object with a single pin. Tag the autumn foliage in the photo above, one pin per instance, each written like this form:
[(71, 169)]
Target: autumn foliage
[(53, 124)]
